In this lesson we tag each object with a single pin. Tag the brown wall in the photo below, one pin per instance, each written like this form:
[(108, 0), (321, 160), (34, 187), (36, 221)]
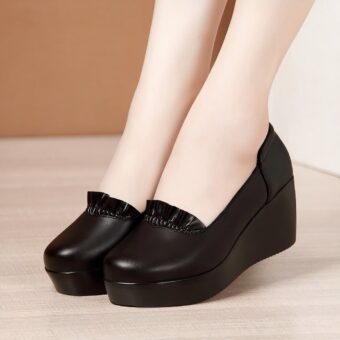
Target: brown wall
[(70, 66)]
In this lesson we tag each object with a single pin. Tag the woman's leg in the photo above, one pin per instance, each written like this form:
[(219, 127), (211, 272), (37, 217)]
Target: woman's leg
[(217, 147), (176, 64)]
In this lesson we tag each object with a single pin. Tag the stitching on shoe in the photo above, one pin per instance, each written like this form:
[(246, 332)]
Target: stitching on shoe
[(159, 222), (106, 213)]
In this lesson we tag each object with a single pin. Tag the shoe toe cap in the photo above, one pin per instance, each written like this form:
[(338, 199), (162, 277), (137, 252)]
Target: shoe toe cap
[(123, 268), (62, 257)]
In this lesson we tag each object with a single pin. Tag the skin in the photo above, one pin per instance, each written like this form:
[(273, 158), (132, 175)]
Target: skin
[(176, 64), (226, 118)]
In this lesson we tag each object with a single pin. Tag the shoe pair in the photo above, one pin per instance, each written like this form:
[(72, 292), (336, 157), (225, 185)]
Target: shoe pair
[(168, 257)]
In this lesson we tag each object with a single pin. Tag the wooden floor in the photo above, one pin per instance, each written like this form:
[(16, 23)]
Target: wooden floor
[(43, 184)]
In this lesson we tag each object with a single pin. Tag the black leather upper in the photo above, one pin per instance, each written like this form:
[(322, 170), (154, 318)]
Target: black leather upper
[(170, 244), (83, 245)]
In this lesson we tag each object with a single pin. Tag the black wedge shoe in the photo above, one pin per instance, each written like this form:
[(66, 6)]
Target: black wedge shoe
[(74, 259), (171, 258)]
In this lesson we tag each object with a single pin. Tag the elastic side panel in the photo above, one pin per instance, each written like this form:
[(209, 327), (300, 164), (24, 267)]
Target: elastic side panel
[(275, 163)]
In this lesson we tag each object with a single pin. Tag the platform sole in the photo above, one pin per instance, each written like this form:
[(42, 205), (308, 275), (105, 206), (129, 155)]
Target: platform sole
[(271, 231), (78, 283)]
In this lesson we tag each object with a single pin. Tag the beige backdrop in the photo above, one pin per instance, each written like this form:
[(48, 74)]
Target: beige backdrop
[(70, 66)]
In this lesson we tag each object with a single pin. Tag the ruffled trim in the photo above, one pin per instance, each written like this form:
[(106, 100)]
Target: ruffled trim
[(163, 214), (99, 203)]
